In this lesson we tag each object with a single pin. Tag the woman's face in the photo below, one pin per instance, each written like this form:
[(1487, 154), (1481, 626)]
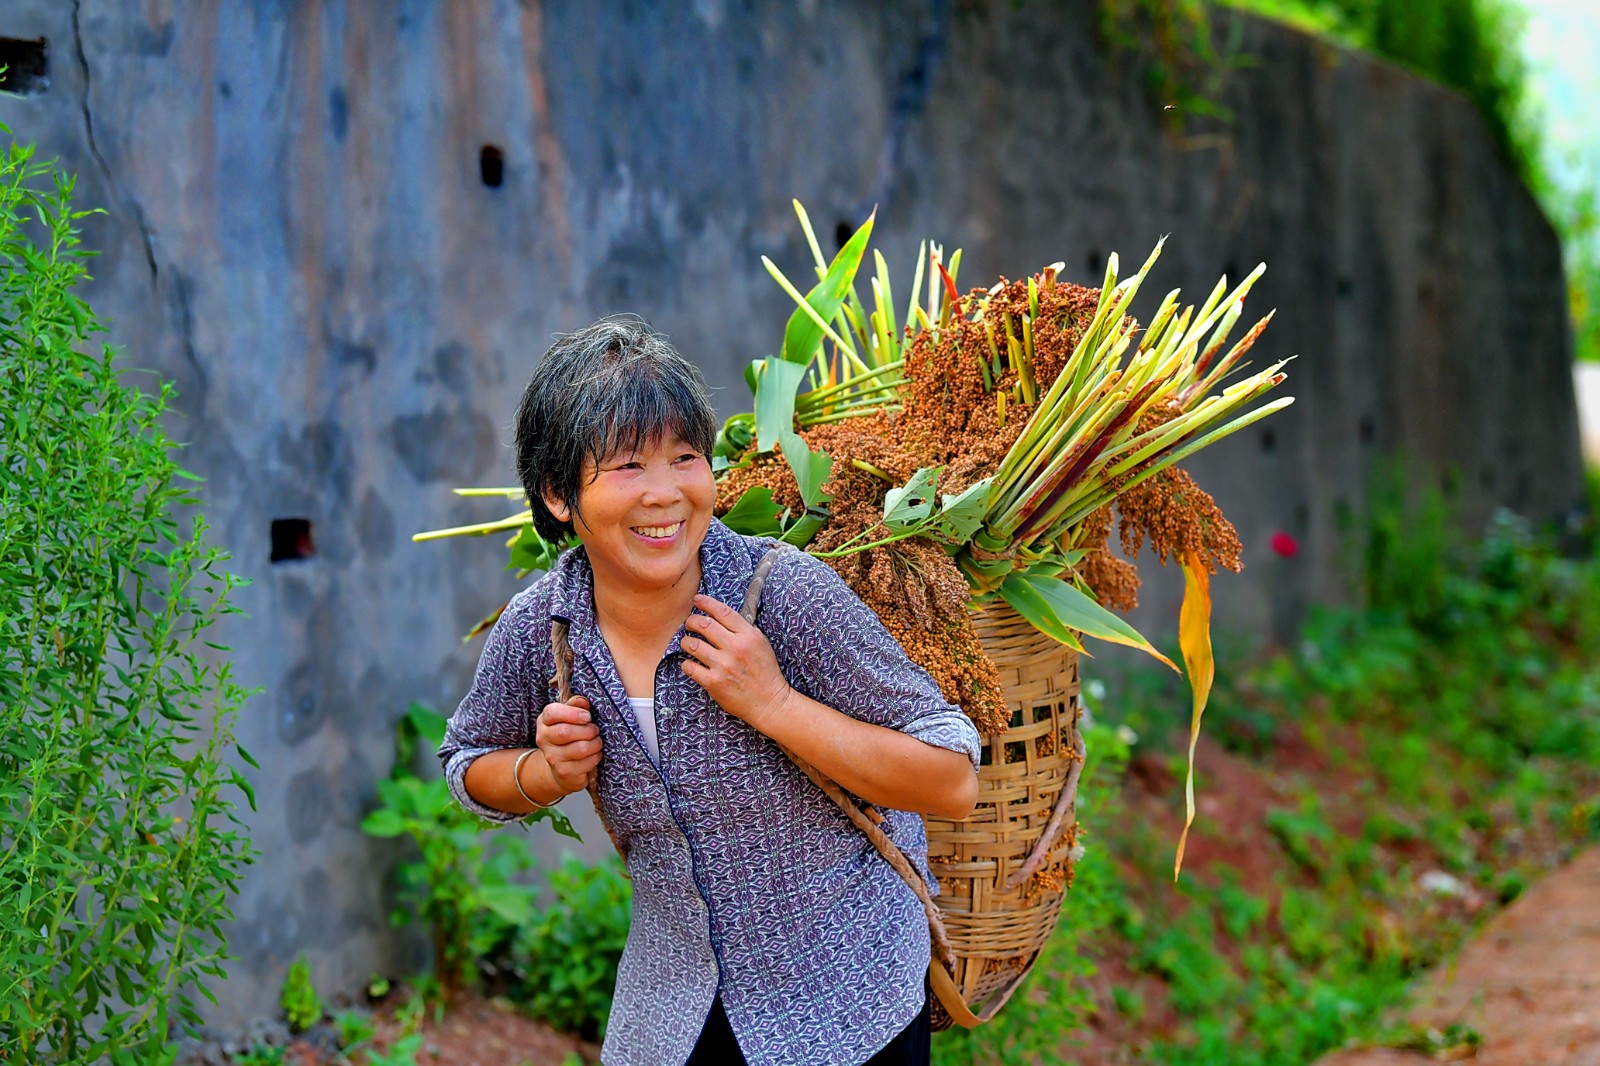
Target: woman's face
[(643, 514)]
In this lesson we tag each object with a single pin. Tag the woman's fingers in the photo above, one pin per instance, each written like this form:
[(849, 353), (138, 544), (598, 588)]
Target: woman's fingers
[(720, 614), (708, 629), (577, 751), (696, 648), (570, 740), (576, 712), (563, 734), (562, 725)]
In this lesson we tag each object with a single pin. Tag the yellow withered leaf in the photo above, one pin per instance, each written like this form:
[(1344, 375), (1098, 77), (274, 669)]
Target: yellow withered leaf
[(1194, 638)]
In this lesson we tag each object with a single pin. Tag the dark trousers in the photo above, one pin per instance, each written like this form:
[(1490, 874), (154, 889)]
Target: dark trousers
[(717, 1047)]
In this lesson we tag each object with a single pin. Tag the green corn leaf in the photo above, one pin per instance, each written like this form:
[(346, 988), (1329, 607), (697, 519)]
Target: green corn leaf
[(1079, 612), (803, 333), (811, 237), (811, 469), (755, 514), (735, 436), (775, 399), (800, 531), (776, 382), (530, 551), (961, 513), (1025, 599), (910, 504)]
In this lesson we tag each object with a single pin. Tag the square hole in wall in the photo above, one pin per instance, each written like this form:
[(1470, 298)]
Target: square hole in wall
[(27, 66), (291, 539), (492, 166)]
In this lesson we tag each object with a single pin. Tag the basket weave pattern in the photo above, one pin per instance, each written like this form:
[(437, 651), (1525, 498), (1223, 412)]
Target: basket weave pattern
[(997, 931)]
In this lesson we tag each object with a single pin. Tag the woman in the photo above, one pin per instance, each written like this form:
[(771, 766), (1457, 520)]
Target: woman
[(764, 924)]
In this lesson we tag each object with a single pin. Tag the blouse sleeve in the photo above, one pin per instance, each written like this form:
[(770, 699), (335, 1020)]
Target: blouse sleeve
[(501, 707), (835, 650)]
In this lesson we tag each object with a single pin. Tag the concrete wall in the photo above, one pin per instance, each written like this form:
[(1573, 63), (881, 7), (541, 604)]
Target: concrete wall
[(298, 233)]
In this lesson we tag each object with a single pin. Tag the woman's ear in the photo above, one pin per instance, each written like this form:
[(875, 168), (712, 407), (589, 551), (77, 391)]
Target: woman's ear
[(558, 508)]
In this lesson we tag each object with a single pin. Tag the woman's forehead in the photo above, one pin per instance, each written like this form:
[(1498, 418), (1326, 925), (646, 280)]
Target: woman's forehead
[(641, 439)]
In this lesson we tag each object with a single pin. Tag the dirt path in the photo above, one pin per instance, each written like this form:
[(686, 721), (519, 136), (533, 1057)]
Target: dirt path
[(1529, 982)]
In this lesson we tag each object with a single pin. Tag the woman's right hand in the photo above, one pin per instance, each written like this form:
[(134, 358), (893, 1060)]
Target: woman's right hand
[(570, 741)]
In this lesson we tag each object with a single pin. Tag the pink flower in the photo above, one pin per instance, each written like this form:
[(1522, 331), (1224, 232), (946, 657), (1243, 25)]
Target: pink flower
[(1285, 545)]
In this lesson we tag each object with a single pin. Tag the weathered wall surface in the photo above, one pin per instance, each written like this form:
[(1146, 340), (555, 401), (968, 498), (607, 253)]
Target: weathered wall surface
[(298, 232)]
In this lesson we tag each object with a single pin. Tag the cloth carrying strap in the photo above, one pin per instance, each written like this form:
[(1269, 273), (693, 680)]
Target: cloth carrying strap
[(942, 962)]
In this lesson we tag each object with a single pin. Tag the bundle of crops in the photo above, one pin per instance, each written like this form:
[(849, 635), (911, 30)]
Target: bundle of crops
[(985, 446)]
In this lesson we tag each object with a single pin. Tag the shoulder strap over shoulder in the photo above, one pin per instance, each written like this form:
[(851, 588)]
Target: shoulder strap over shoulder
[(942, 962), (752, 596), (562, 647)]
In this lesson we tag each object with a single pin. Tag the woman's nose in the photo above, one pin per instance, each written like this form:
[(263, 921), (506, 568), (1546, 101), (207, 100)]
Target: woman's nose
[(660, 486)]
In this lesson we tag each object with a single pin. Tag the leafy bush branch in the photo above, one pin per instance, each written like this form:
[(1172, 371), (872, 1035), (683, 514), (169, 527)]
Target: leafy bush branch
[(119, 847)]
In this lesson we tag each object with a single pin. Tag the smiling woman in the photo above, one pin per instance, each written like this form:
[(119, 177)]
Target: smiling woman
[(764, 922)]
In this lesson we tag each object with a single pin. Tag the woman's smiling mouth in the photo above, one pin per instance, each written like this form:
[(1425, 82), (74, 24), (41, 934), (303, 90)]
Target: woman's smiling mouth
[(658, 532)]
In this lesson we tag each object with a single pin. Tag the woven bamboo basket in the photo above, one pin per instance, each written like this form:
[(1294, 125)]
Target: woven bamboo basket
[(1003, 870)]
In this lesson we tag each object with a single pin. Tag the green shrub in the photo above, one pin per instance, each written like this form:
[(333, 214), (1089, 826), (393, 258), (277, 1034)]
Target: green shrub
[(261, 1055), (1472, 46), (301, 1007), (356, 1030), (469, 895), (402, 1052), (567, 956), (119, 849)]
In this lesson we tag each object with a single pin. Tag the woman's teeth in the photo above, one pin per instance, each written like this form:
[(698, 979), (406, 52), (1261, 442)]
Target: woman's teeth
[(658, 532)]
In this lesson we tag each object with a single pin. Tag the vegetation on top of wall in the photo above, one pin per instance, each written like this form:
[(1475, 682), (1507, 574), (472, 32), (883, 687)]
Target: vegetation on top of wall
[(119, 849), (1577, 219), (1475, 47), (1472, 46)]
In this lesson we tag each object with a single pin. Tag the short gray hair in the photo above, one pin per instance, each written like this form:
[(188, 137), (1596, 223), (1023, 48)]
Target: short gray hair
[(605, 388)]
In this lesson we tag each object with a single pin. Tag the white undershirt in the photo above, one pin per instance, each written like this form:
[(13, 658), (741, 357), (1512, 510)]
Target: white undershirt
[(644, 712)]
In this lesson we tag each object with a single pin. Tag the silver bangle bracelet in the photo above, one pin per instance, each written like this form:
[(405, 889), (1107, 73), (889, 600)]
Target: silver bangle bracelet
[(516, 779)]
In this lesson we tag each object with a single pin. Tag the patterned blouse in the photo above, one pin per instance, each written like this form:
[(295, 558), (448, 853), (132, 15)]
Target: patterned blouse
[(748, 882)]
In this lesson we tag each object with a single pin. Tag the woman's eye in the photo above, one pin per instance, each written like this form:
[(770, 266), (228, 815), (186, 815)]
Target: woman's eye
[(688, 457)]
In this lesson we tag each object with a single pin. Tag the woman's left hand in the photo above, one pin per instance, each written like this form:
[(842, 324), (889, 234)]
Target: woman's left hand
[(732, 660)]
